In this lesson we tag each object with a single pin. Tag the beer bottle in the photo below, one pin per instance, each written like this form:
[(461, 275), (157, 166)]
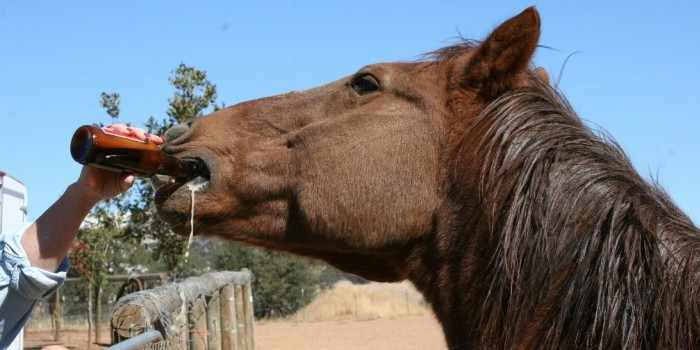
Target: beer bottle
[(94, 146)]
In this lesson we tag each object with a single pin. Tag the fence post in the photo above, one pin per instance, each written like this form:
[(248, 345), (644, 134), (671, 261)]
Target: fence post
[(57, 315), (240, 318), (229, 323), (98, 314), (197, 320), (181, 324), (248, 315), (213, 319)]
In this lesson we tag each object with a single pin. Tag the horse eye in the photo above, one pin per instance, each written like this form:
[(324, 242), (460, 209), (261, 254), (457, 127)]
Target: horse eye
[(364, 84)]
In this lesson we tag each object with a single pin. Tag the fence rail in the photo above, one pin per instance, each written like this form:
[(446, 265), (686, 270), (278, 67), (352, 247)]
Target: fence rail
[(56, 302), (212, 311)]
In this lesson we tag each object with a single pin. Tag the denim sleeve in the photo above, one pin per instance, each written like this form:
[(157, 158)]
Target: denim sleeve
[(21, 285)]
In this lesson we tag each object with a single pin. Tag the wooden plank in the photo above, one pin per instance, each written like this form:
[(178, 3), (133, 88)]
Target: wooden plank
[(240, 323), (227, 313), (180, 322), (249, 315), (213, 321), (158, 276), (197, 321), (57, 315)]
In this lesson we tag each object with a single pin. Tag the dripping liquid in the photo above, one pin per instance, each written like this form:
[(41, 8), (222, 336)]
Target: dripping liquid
[(193, 186)]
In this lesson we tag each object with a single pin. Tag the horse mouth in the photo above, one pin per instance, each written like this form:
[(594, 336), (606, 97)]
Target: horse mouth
[(165, 186)]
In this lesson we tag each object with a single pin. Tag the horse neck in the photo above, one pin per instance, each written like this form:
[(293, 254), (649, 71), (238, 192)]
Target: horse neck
[(565, 245)]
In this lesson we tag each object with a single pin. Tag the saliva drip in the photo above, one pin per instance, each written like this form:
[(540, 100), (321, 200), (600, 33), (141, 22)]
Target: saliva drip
[(193, 186)]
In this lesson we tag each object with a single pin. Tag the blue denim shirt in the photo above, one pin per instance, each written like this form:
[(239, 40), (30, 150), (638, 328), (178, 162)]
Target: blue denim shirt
[(21, 285)]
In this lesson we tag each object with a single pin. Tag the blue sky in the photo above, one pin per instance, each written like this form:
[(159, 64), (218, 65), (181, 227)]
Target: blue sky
[(636, 74)]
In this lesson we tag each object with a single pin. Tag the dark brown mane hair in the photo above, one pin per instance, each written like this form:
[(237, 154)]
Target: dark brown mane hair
[(585, 251)]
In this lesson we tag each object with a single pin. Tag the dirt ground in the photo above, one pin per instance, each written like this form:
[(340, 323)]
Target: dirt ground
[(408, 332)]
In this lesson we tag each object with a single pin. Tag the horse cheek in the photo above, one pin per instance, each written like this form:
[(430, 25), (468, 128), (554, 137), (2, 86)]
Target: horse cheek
[(368, 195)]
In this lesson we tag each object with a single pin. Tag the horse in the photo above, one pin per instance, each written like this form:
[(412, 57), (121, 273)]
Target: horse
[(468, 174)]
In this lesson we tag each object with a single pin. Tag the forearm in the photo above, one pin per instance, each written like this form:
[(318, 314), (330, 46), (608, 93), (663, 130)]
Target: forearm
[(48, 240)]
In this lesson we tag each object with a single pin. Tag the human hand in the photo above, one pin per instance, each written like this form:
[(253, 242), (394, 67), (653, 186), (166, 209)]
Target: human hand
[(134, 132), (98, 184)]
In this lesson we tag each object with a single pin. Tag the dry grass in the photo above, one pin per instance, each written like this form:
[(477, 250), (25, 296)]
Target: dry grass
[(364, 301)]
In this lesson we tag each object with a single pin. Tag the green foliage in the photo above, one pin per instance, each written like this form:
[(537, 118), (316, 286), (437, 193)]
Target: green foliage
[(128, 258), (283, 283), (194, 93), (201, 258), (110, 102), (89, 255)]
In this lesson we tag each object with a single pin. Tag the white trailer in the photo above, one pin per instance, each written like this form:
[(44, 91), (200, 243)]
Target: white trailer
[(13, 212), (13, 202)]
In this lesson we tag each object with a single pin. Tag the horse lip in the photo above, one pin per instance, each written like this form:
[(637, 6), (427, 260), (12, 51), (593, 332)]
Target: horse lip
[(165, 191), (201, 178)]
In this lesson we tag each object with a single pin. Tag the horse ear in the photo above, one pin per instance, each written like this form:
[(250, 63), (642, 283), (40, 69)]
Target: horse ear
[(495, 65)]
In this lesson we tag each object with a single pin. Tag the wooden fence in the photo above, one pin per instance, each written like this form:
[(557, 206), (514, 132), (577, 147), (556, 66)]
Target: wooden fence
[(212, 311), (56, 302)]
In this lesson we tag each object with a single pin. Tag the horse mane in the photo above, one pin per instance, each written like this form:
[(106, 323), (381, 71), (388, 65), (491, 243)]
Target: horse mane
[(446, 53), (587, 254)]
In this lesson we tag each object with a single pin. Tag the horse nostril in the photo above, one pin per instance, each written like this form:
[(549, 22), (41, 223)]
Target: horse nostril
[(176, 132)]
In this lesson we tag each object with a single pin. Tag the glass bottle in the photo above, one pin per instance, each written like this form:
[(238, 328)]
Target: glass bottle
[(97, 147)]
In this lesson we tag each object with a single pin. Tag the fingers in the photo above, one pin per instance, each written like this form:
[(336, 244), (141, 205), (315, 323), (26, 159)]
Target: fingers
[(135, 132), (139, 133), (101, 184), (119, 128), (158, 140)]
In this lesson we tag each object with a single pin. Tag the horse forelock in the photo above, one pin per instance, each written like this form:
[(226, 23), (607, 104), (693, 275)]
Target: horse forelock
[(588, 253)]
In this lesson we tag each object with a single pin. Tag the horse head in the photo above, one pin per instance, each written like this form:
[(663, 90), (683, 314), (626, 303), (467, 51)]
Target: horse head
[(354, 172)]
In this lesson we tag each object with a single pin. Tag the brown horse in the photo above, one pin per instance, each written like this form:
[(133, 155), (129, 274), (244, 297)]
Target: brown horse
[(467, 174)]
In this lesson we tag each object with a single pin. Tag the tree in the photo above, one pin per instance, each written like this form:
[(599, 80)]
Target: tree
[(194, 94), (283, 283), (110, 102)]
